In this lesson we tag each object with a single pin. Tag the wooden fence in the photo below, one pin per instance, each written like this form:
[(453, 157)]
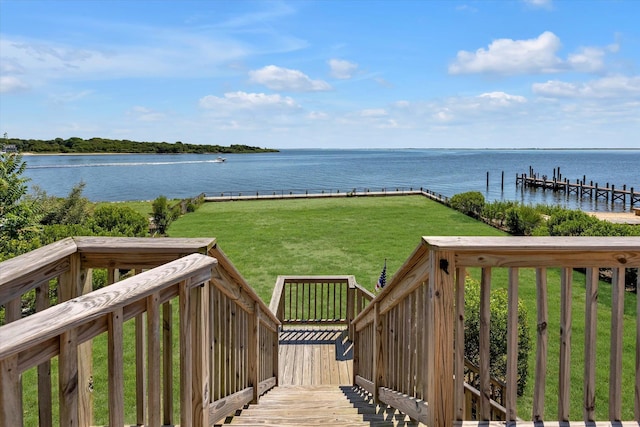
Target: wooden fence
[(407, 339), (200, 285)]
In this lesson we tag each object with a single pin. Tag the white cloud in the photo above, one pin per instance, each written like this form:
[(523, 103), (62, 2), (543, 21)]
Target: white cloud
[(285, 79), (587, 59), (607, 87), (531, 56), (341, 69), (546, 4), (507, 56), (12, 84), (502, 98), (247, 101)]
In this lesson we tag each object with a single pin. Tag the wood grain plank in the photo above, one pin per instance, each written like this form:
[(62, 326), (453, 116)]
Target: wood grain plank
[(564, 384), (11, 393), (615, 359), (153, 360), (459, 345), (512, 346), (590, 328), (186, 356), (39, 327), (542, 334), (440, 360), (116, 367), (485, 324)]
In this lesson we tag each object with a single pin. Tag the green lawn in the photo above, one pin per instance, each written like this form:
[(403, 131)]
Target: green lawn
[(353, 236), (265, 239)]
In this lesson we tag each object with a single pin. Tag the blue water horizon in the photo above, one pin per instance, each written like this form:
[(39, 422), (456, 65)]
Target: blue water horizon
[(126, 177)]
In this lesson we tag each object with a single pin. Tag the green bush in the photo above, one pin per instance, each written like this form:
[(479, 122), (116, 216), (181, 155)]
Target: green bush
[(119, 220), (498, 332), (522, 220), (469, 203)]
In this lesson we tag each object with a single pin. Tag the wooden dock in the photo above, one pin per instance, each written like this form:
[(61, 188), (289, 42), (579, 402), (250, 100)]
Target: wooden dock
[(582, 189)]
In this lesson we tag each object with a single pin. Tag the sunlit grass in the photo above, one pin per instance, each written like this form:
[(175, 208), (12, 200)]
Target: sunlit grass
[(354, 236)]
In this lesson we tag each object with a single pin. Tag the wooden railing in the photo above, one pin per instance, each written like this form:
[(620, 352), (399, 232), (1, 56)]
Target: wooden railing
[(406, 341), (199, 284), (329, 300)]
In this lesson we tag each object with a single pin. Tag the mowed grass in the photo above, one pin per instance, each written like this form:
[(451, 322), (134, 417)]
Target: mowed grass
[(265, 239)]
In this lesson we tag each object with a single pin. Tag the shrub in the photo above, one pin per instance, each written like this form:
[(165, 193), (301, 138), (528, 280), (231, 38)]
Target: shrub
[(469, 203), (498, 332), (522, 220), (162, 215), (119, 221)]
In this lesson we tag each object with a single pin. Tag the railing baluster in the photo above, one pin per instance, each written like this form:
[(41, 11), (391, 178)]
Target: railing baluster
[(68, 378), (45, 413), (11, 396), (116, 367), (615, 361), (485, 320), (512, 345), (541, 345), (153, 357), (590, 328), (186, 356), (167, 364), (461, 274), (200, 340), (566, 279)]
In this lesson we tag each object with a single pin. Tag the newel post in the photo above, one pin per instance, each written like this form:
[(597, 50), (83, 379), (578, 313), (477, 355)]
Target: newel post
[(76, 361), (440, 357)]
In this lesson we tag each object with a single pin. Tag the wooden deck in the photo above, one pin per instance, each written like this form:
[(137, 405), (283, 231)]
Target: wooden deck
[(315, 356)]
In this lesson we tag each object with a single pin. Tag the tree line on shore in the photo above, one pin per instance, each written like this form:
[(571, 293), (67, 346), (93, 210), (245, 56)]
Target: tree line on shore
[(104, 145)]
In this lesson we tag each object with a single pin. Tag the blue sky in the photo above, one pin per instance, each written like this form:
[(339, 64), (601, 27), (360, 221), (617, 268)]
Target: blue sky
[(324, 74)]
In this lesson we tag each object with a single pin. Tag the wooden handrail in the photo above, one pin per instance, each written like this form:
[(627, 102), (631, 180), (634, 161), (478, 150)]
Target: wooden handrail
[(405, 339), (249, 333)]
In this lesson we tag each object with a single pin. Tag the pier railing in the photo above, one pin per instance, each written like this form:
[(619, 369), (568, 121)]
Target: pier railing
[(308, 193), (313, 300), (582, 189), (227, 337), (409, 340)]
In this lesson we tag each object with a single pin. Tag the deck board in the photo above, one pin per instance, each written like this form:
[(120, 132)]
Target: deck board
[(314, 356)]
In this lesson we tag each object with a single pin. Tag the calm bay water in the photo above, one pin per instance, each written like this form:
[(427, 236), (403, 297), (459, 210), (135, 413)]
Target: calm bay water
[(144, 177)]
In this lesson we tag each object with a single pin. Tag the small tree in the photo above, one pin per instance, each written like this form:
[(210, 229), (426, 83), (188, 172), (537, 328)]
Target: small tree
[(162, 216), (18, 215)]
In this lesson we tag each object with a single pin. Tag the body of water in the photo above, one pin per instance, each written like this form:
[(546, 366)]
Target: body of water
[(145, 177)]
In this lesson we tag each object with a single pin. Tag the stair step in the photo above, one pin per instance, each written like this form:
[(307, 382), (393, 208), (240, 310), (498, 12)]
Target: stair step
[(315, 406)]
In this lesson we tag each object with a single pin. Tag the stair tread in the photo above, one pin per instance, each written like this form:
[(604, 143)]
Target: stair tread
[(339, 406)]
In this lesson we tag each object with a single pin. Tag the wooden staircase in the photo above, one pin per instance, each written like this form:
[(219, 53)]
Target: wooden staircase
[(321, 405)]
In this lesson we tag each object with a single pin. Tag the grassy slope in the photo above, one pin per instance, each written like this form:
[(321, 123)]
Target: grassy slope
[(322, 236)]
